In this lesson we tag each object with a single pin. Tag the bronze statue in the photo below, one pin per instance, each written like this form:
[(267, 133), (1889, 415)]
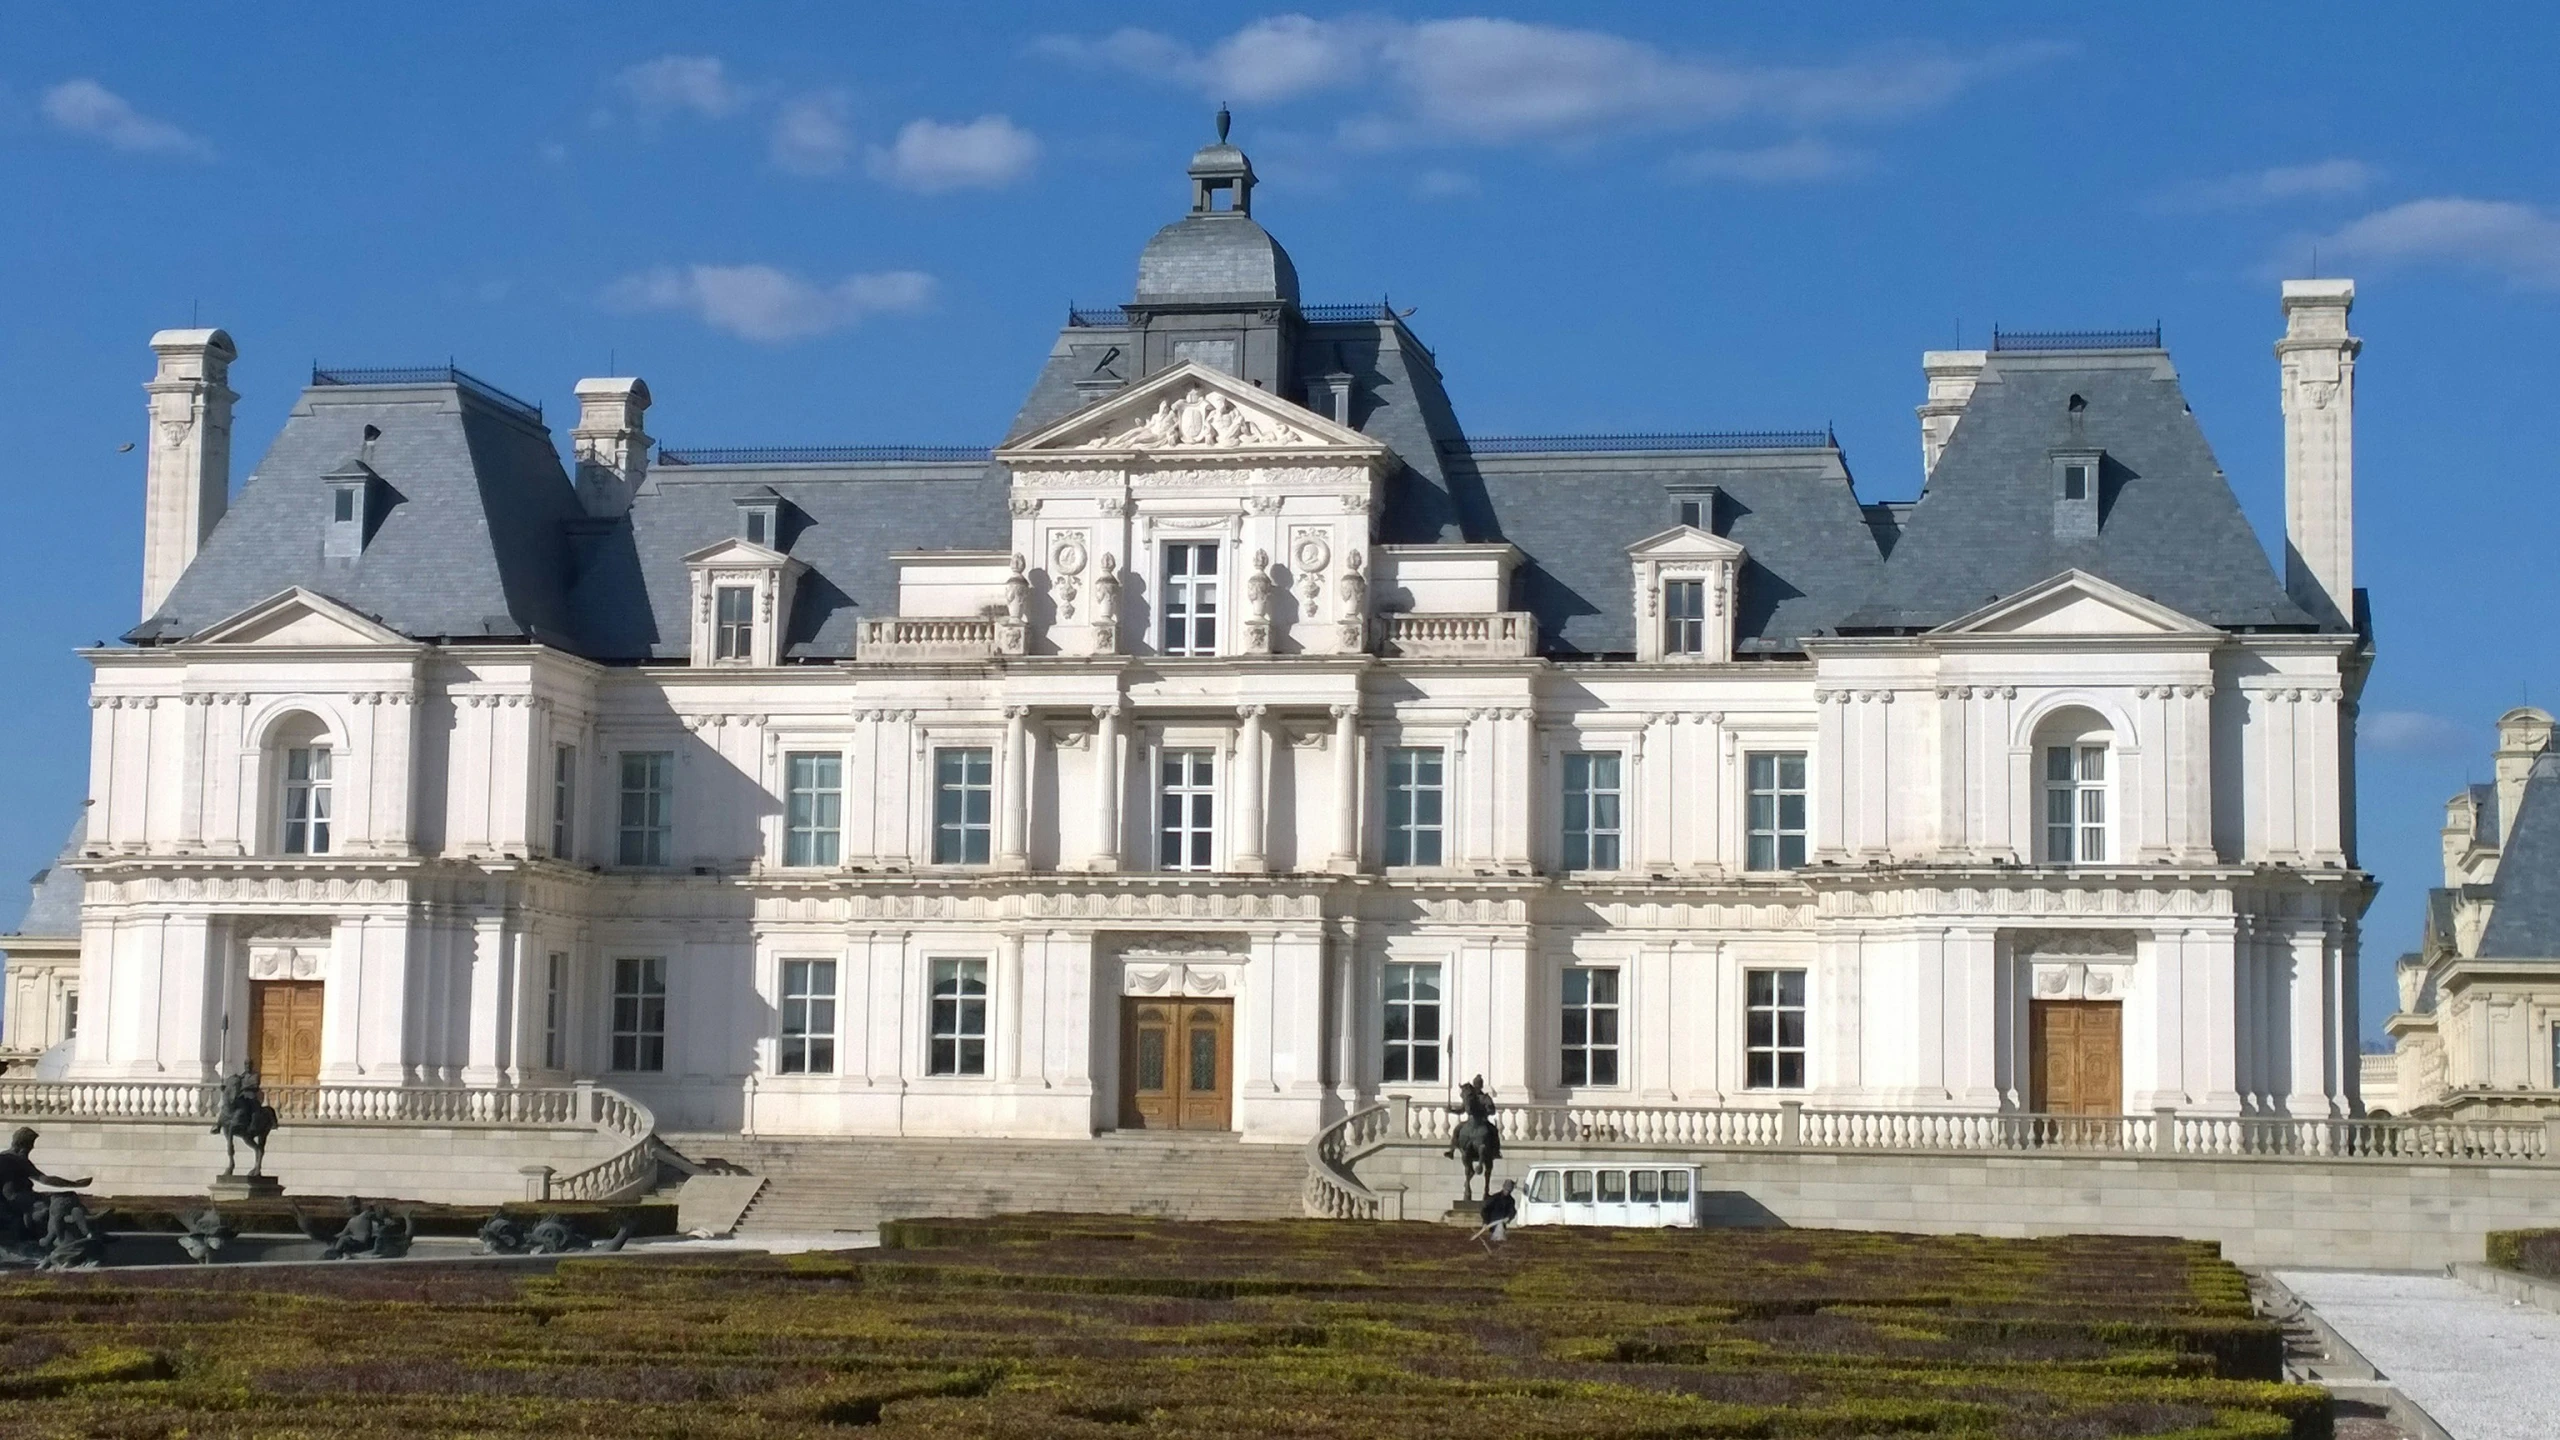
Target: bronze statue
[(501, 1235), (553, 1235), (16, 1165), (372, 1232), (71, 1238), (205, 1234), (245, 1116), (1477, 1143)]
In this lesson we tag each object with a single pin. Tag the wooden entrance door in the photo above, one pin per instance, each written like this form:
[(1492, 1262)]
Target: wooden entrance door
[(1177, 1064), (2076, 1057), (284, 1030)]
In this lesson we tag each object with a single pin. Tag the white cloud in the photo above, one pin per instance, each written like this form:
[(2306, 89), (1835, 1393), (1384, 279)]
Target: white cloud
[(696, 83), (987, 152), (1479, 80), (2516, 242), (761, 303), (1793, 162), (1445, 185), (2272, 186), (2409, 731), (85, 107), (810, 135)]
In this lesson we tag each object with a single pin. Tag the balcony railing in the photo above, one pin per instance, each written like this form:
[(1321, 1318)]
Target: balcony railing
[(929, 639), (1503, 635), (2030, 340), (823, 455), (424, 375), (1661, 442)]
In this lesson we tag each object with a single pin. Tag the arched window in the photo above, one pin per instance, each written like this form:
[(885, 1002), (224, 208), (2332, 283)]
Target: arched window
[(2075, 771), (303, 764)]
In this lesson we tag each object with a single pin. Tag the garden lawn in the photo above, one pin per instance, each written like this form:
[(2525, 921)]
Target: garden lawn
[(1111, 1327)]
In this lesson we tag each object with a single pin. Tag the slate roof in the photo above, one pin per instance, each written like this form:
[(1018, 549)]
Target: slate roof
[(2484, 813), (2169, 528), (1214, 258), (2524, 923), (472, 540), (53, 911)]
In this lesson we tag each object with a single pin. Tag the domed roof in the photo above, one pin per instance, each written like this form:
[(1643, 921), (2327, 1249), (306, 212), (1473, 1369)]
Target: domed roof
[(1218, 256)]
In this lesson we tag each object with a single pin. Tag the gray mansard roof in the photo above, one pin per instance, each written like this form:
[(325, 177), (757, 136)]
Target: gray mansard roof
[(2524, 921), (2168, 525), (481, 535), (53, 910)]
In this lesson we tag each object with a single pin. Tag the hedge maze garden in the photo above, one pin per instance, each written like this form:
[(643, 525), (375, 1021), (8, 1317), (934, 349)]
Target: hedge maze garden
[(1111, 1327)]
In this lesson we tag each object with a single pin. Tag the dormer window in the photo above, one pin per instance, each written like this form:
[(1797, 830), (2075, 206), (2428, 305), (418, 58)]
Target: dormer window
[(760, 519), (1686, 582), (345, 504), (734, 636), (2075, 481), (1696, 508), (2075, 494), (1684, 617), (742, 595), (350, 510)]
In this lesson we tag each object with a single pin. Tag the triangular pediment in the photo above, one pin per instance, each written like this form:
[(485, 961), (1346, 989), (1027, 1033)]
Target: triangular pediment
[(2075, 602), (298, 617), (739, 552), (1685, 542), (1192, 408)]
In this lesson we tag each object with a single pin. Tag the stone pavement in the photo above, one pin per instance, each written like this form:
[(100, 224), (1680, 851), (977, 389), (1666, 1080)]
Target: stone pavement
[(2485, 1368)]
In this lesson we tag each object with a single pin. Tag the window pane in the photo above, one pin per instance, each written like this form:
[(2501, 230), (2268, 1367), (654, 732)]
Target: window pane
[(1613, 1187), (2057, 763), (1644, 1187), (1604, 1067), (1675, 1187)]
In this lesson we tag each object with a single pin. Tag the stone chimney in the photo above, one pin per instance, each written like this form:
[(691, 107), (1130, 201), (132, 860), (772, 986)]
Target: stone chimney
[(612, 449), (2318, 359), (2523, 734), (1951, 375), (187, 472)]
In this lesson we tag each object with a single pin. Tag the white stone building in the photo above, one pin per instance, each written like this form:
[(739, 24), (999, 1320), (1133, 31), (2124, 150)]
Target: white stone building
[(2477, 1034), (1236, 742)]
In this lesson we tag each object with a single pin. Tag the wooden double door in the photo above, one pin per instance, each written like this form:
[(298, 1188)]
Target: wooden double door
[(284, 1030), (1177, 1064), (2076, 1057)]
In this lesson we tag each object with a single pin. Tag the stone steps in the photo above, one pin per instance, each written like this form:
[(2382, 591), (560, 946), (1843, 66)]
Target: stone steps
[(819, 1185)]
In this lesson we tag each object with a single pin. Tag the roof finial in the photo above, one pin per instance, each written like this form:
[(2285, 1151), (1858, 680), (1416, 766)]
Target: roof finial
[(1223, 122)]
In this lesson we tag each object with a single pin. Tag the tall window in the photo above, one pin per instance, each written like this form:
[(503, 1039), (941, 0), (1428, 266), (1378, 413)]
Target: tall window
[(1413, 1024), (813, 813), (1592, 812), (2075, 804), (1591, 1026), (646, 775), (555, 1011), (963, 806), (306, 800), (1684, 617), (734, 631), (1773, 1029), (1191, 599), (1774, 822), (70, 1014), (1186, 808), (808, 1018), (1414, 787), (959, 1020), (564, 800), (640, 1013)]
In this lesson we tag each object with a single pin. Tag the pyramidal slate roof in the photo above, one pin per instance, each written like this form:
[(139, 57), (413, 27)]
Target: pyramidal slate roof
[(2168, 528), (470, 539), (53, 910), (2524, 921)]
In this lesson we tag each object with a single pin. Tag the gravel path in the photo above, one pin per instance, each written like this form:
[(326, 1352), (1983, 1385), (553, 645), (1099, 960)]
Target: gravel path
[(2485, 1368)]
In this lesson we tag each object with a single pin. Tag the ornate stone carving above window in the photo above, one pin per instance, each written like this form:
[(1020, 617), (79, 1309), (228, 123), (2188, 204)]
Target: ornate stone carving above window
[(1694, 622)]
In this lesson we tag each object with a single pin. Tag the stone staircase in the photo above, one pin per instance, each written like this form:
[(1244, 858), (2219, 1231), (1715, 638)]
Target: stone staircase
[(818, 1185)]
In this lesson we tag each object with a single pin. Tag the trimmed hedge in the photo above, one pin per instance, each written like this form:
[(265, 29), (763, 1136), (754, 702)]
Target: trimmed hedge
[(2535, 1252), (1107, 1327), (160, 1213)]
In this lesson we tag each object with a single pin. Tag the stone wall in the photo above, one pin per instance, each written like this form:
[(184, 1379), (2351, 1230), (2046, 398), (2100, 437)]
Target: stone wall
[(317, 1163), (2358, 1214)]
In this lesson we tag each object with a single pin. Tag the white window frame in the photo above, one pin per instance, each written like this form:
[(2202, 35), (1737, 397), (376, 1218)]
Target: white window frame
[(2084, 835), (957, 1017), (1187, 809), (1404, 843), (1600, 1008), (733, 638), (806, 988), (1189, 599), (963, 828), (645, 814), (303, 806), (1408, 1057), (1777, 832), (1602, 846), (1684, 616), (813, 808), (1769, 1041), (639, 1015), (564, 801)]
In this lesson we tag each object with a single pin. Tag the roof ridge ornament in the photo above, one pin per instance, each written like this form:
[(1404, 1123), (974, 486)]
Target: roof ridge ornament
[(1223, 121)]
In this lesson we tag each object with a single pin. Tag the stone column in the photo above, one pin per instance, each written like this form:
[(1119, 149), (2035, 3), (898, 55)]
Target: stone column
[(1013, 843), (1008, 1007), (1348, 1007), (1108, 786), (1346, 789), (1248, 833)]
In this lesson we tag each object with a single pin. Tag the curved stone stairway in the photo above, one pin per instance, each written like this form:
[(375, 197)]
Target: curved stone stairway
[(819, 1185)]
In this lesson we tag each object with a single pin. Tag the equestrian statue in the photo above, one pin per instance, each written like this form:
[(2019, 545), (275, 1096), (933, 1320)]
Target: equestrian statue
[(245, 1117), (1476, 1142)]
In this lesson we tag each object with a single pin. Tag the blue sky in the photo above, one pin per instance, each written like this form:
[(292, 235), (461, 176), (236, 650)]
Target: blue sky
[(809, 224)]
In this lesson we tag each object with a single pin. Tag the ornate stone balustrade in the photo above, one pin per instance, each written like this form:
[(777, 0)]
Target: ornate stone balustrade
[(938, 638), (1503, 635)]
